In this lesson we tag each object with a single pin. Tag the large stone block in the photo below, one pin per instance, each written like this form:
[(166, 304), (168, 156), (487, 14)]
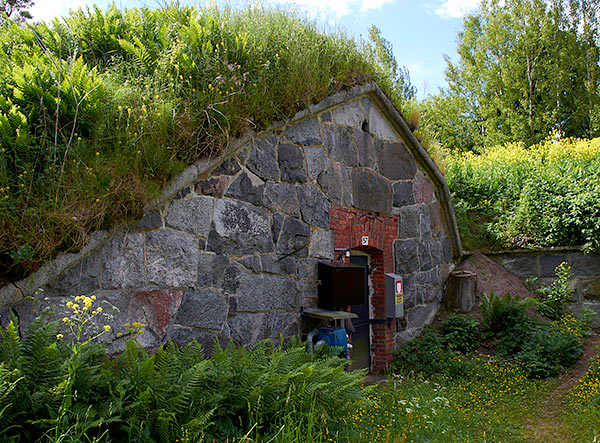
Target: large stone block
[(437, 252), (150, 220), (193, 215), (435, 217), (157, 307), (523, 265), (395, 162), (424, 256), (367, 156), (423, 189), (265, 292), (215, 186), (425, 223), (281, 197), (590, 287), (409, 222), (182, 335), (321, 244), (123, 262), (211, 268), (380, 126), (240, 228), (263, 158), (582, 264), (292, 164), (335, 182), (203, 308), (315, 161), (314, 206), (248, 328), (371, 191), (171, 258), (274, 264), (306, 132), (549, 263), (403, 194), (227, 167), (349, 114), (406, 256), (81, 279), (340, 145), (247, 187), (294, 238), (421, 316)]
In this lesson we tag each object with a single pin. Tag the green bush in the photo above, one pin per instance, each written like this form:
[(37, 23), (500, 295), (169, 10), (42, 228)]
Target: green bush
[(461, 332), (502, 313), (559, 293), (58, 384)]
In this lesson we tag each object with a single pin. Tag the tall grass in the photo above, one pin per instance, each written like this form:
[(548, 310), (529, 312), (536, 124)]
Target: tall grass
[(99, 111)]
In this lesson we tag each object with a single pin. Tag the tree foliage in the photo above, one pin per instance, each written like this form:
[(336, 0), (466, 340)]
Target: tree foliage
[(15, 9), (525, 68)]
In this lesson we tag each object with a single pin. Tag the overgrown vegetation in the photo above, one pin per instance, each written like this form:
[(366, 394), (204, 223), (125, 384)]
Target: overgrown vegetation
[(58, 384), (513, 196), (98, 111)]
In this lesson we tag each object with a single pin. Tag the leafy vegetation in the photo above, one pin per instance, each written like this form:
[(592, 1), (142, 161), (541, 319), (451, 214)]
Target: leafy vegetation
[(513, 196), (99, 111), (525, 68)]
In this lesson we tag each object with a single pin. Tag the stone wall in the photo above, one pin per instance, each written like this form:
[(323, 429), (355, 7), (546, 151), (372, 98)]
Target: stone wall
[(233, 251), (542, 264)]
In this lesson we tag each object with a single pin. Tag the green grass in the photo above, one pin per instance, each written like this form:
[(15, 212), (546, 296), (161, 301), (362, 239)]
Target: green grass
[(98, 112)]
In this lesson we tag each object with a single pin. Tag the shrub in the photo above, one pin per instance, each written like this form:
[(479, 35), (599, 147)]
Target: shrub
[(461, 332), (559, 293), (502, 313)]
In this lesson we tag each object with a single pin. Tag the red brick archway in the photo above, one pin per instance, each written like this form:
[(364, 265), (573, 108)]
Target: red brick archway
[(350, 226)]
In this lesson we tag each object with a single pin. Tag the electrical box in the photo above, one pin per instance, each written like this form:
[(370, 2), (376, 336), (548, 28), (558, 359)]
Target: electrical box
[(394, 296), (340, 285)]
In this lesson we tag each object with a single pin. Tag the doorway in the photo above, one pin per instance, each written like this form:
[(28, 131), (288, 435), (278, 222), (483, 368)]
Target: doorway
[(361, 337)]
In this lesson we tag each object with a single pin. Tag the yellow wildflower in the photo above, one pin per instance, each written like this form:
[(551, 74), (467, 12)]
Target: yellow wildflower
[(106, 328)]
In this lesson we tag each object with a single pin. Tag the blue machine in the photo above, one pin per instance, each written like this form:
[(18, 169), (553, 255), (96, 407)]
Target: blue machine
[(335, 338)]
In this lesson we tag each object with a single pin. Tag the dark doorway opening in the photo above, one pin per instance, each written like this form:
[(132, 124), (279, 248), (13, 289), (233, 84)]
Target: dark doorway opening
[(361, 337)]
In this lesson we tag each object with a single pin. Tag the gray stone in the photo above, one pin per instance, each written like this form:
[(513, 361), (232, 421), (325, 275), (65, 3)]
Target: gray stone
[(315, 161), (423, 189), (340, 145), (406, 256), (582, 264), (292, 164), (274, 264), (590, 287), (335, 182), (371, 191), (412, 297), (314, 206), (306, 133), (423, 278), (276, 227), (549, 263), (425, 223), (234, 277), (294, 237), (366, 148), (409, 221), (435, 217), (203, 308), (240, 228), (395, 162), (211, 268), (405, 336), (523, 265), (182, 335), (321, 244), (437, 252), (421, 316), (263, 158), (252, 262), (123, 262), (193, 215), (151, 220), (81, 279), (228, 167), (403, 194), (349, 114), (424, 256), (380, 126), (171, 258), (265, 292), (281, 197), (446, 249), (247, 187), (247, 329)]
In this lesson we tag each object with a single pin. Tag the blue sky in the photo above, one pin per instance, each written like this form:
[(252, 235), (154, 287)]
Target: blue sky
[(420, 31)]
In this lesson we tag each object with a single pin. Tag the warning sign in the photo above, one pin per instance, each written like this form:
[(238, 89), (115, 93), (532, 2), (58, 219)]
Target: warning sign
[(399, 299), (399, 289)]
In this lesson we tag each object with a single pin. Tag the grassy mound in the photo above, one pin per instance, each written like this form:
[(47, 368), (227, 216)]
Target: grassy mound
[(99, 111)]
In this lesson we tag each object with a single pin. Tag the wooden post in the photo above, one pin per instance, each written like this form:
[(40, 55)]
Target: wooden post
[(460, 291)]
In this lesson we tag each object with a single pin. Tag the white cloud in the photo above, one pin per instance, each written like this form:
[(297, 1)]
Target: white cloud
[(452, 8), (338, 7), (46, 10)]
